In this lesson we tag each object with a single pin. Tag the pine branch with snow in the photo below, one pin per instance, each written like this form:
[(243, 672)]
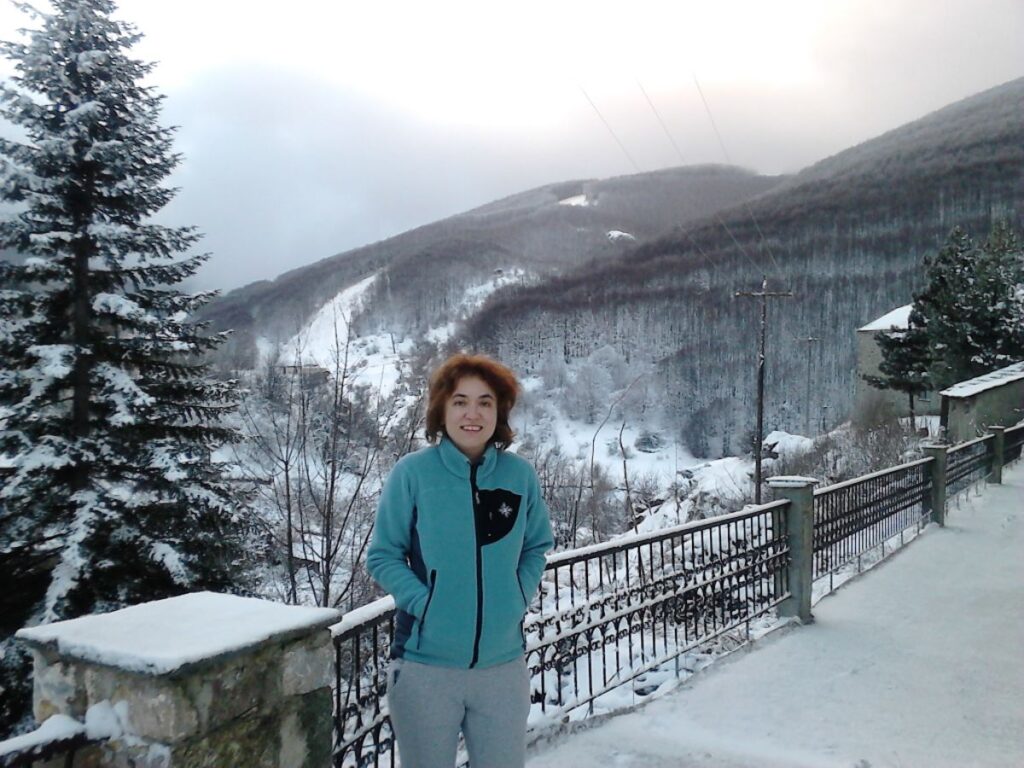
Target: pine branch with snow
[(108, 412)]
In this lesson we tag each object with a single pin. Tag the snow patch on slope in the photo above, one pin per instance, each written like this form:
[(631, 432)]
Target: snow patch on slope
[(575, 201), (327, 332), (374, 360)]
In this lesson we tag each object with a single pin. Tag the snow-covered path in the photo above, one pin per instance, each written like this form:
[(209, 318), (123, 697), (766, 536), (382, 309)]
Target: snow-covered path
[(917, 663)]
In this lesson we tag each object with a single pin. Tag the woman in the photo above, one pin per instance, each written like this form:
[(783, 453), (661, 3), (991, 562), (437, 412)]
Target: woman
[(459, 542)]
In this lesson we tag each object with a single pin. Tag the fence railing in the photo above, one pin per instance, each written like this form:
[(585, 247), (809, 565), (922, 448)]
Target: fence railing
[(362, 728), (607, 615), (855, 517), (969, 462), (625, 612), (612, 613), (1013, 442)]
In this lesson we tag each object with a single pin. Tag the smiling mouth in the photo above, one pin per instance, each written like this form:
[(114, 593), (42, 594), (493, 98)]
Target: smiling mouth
[(472, 428)]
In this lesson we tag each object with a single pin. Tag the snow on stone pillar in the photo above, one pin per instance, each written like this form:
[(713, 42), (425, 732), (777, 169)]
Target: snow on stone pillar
[(998, 448), (800, 530), (937, 452), (198, 680)]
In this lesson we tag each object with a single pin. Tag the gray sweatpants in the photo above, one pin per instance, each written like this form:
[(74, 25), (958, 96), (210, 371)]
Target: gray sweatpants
[(430, 705)]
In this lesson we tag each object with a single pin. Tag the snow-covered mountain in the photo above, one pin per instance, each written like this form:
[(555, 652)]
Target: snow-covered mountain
[(642, 271), (422, 275), (846, 236)]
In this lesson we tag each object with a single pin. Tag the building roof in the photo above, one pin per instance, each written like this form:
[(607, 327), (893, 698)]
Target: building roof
[(898, 318), (991, 380)]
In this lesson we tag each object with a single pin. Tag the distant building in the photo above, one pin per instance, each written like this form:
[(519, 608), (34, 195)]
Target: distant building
[(869, 357), (308, 549), (994, 399)]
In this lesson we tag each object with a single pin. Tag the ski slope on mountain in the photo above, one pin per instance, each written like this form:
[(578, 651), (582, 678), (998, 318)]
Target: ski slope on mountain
[(376, 360)]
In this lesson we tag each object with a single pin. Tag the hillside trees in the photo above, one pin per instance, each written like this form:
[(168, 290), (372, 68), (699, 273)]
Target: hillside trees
[(108, 414)]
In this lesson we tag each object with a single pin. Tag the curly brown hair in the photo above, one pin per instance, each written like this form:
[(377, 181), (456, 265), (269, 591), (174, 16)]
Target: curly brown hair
[(445, 379)]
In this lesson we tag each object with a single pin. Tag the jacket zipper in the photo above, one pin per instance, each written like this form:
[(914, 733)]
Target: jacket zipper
[(430, 596), (479, 568)]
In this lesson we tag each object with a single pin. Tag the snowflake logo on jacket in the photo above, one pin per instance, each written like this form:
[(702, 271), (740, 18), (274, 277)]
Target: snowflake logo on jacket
[(505, 510)]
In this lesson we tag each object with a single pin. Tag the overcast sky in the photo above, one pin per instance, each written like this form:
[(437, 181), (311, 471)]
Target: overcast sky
[(314, 126)]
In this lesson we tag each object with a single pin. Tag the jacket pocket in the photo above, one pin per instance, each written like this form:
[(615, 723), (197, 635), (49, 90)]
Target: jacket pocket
[(393, 673), (426, 608)]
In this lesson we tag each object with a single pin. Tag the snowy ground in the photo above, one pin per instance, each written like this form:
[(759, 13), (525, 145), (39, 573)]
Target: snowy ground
[(917, 663)]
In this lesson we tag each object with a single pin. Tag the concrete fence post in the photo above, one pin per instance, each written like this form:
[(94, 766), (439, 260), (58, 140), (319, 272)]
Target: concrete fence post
[(998, 455), (937, 452), (800, 531), (198, 681)]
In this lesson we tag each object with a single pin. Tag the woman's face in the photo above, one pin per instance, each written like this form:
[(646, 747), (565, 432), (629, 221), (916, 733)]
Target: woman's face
[(471, 415)]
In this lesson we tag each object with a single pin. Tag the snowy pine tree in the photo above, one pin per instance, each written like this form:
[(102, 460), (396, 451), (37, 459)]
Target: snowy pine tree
[(972, 306), (108, 417), (905, 361)]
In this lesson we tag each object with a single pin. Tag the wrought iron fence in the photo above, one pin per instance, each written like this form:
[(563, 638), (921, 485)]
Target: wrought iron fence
[(968, 463), (1013, 442), (607, 616), (854, 517), (362, 728), (610, 615)]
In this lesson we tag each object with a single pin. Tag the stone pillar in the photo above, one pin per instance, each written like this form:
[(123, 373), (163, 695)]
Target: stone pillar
[(999, 449), (937, 451), (198, 681), (800, 529)]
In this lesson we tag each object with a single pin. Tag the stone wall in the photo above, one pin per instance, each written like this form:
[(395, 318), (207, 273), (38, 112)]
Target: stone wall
[(266, 704)]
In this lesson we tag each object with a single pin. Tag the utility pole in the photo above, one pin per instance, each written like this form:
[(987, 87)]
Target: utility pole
[(807, 399), (764, 294)]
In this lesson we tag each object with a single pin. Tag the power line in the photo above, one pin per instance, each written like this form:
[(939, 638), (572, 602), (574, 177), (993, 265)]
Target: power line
[(608, 126), (682, 159), (685, 230), (764, 294), (661, 122), (711, 118), (728, 159)]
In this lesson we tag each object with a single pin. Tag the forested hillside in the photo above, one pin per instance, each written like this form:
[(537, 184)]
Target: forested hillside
[(846, 236), (424, 272)]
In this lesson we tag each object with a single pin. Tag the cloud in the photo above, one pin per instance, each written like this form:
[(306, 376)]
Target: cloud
[(314, 128)]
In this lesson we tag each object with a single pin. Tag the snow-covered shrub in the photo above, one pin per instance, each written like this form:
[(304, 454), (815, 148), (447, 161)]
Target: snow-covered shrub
[(649, 442), (554, 372), (587, 396)]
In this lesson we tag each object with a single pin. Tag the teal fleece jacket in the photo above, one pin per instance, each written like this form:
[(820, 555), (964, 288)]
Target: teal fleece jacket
[(461, 548)]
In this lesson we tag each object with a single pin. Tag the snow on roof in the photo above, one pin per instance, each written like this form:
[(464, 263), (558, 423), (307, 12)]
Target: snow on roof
[(991, 380), (164, 635), (898, 318)]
